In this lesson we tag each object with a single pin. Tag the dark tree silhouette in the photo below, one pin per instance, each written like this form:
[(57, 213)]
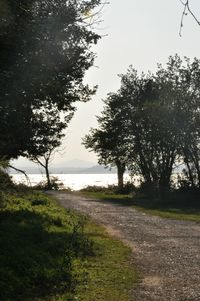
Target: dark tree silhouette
[(108, 141), (49, 127), (152, 124), (45, 49)]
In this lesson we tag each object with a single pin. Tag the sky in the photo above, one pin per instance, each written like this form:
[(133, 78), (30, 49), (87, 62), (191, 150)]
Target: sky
[(138, 33)]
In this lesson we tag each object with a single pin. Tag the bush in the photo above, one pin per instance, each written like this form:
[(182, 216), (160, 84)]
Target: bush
[(56, 184), (5, 181), (186, 195), (111, 189), (43, 249), (2, 200), (148, 190), (127, 189), (38, 199)]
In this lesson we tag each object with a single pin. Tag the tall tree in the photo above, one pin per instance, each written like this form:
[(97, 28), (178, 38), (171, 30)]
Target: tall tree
[(108, 141), (152, 122), (45, 51), (190, 122), (155, 121)]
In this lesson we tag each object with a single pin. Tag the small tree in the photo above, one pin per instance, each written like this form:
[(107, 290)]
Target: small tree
[(108, 141), (48, 137), (44, 161)]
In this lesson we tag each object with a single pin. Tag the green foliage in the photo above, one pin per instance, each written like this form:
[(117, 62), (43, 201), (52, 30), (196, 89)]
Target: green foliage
[(2, 199), (110, 189), (110, 274), (44, 54), (56, 184), (152, 124), (109, 140), (35, 237), (5, 181), (177, 206), (49, 253)]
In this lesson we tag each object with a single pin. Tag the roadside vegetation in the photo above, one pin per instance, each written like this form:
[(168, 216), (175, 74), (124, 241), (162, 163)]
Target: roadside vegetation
[(50, 253), (179, 204), (150, 127)]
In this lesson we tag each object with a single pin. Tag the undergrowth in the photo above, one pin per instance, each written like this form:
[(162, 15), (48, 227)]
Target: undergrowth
[(174, 207), (50, 253)]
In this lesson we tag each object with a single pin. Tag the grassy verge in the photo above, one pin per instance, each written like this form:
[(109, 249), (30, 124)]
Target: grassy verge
[(163, 209), (49, 253), (170, 211)]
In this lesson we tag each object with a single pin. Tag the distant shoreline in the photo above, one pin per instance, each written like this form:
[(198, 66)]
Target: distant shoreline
[(97, 169), (66, 173)]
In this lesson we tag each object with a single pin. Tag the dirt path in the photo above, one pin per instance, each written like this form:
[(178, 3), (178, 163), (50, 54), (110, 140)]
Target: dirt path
[(167, 252)]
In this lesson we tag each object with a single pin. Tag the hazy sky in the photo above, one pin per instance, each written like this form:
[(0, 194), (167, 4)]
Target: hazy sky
[(139, 33)]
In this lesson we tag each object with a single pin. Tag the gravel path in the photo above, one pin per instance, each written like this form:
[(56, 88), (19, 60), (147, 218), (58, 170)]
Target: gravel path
[(167, 252)]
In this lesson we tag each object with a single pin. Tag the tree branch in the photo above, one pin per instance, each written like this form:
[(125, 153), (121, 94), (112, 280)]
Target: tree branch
[(187, 10), (21, 171)]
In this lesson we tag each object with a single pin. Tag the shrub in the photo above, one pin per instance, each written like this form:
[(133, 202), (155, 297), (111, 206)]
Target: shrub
[(56, 184), (43, 249), (2, 200), (127, 189), (111, 189), (5, 181), (38, 199)]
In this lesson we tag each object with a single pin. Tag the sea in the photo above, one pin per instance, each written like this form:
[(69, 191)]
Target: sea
[(72, 181)]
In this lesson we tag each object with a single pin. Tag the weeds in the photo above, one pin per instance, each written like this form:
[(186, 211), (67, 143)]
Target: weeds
[(35, 241), (48, 253)]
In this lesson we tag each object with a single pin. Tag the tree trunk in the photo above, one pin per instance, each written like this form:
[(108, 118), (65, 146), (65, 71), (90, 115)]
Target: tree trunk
[(190, 172), (48, 176), (120, 175)]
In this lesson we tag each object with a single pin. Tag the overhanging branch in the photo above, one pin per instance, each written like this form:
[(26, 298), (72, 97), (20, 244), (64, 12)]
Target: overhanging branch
[(21, 171), (185, 12)]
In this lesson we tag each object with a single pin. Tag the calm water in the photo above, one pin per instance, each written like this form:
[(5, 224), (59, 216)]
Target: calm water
[(74, 181)]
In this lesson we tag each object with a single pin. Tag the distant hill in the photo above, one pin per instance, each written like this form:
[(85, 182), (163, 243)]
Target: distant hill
[(74, 166), (81, 167), (98, 169), (76, 163)]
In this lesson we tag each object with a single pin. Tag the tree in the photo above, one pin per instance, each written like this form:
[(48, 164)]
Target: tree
[(156, 105), (45, 51), (138, 129), (190, 124), (44, 161), (49, 129), (152, 123), (108, 141)]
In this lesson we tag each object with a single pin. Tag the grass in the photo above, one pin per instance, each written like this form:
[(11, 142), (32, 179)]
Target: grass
[(178, 212), (51, 254), (173, 210), (109, 272), (107, 196)]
